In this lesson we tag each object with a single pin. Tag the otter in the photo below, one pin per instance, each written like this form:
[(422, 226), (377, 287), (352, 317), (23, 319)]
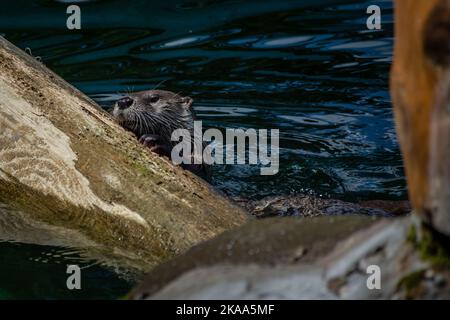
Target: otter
[(153, 115)]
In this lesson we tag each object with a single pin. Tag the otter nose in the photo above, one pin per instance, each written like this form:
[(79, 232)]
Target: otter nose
[(124, 103)]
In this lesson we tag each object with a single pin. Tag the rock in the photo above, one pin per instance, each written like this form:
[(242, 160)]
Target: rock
[(335, 266), (309, 206), (261, 244)]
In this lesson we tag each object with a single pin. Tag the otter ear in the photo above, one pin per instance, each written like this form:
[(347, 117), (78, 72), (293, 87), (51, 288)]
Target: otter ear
[(187, 102)]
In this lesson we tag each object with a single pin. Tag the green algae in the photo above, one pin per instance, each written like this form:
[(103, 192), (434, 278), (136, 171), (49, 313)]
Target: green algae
[(411, 283), (432, 247)]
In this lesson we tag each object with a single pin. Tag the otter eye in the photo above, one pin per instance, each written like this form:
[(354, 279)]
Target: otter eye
[(154, 99)]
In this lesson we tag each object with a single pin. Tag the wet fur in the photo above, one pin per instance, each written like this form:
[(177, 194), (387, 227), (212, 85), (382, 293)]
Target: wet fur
[(146, 116)]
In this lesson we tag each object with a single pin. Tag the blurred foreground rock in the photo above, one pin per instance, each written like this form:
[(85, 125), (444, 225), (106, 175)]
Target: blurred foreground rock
[(312, 258)]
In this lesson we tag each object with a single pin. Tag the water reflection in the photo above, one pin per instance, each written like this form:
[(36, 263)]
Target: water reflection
[(36, 272)]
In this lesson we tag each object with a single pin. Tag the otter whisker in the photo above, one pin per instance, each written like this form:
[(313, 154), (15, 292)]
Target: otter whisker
[(160, 83), (146, 125), (135, 121), (178, 93), (130, 91), (150, 117), (141, 125)]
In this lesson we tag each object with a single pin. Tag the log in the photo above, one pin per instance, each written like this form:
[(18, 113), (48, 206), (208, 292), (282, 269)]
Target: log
[(420, 88), (69, 175)]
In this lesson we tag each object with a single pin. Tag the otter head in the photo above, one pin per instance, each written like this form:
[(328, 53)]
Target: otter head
[(154, 112)]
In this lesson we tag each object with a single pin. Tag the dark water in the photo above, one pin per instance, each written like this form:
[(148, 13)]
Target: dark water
[(309, 68), (39, 272)]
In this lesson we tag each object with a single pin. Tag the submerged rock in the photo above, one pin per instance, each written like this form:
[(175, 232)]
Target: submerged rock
[(309, 206)]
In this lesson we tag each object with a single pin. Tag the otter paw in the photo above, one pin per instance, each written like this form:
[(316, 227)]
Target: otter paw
[(151, 141)]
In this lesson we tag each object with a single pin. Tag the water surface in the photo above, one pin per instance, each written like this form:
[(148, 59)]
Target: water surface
[(308, 68)]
